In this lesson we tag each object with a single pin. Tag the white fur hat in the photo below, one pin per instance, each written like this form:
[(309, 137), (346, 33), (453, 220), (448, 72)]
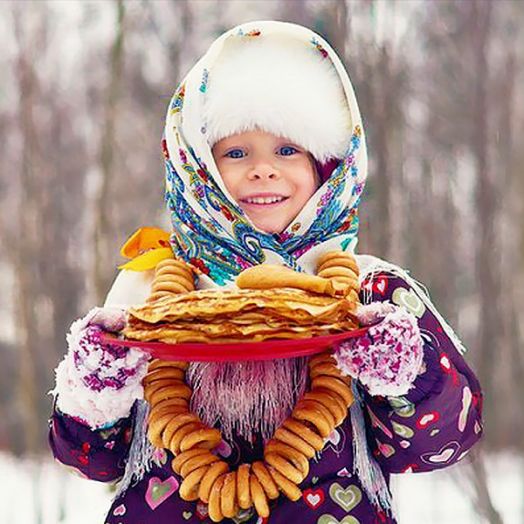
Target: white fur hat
[(280, 86)]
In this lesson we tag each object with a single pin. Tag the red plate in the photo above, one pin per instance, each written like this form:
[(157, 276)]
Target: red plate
[(267, 350)]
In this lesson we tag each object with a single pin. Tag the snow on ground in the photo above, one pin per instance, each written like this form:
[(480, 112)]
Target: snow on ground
[(29, 488)]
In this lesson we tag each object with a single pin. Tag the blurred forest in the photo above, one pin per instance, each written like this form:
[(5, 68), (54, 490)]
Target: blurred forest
[(85, 86)]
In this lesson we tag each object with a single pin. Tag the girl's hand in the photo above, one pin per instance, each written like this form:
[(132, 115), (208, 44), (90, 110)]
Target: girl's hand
[(388, 358), (111, 319), (98, 382), (101, 365)]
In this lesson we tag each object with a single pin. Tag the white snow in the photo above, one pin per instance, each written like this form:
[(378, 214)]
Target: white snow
[(30, 487)]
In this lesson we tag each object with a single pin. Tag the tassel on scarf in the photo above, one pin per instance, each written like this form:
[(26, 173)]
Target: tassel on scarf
[(364, 464), (245, 398), (140, 456)]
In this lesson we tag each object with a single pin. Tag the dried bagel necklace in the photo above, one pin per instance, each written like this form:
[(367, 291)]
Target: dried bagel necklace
[(285, 465)]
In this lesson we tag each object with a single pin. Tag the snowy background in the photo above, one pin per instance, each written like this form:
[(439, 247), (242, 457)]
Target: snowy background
[(84, 86), (44, 493)]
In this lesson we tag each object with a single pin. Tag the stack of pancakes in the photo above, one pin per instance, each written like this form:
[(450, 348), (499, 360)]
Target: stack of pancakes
[(272, 302)]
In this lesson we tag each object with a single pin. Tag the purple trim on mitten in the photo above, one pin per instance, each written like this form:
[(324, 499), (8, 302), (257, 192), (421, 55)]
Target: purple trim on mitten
[(389, 357)]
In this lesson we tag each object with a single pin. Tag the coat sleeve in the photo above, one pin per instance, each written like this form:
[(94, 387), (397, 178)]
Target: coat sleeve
[(94, 454), (440, 418)]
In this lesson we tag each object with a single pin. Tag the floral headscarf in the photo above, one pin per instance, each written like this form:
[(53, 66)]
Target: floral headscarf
[(210, 230)]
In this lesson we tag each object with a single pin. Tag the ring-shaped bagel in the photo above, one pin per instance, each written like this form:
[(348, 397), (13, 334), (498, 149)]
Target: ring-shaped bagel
[(173, 403), (315, 405), (293, 440), (316, 418), (181, 458), (150, 389), (333, 405), (324, 368), (181, 433), (156, 427), (298, 459), (166, 410), (336, 385), (159, 363), (165, 373), (300, 429), (197, 462), (265, 479), (182, 419), (338, 271), (172, 262), (322, 358), (171, 286), (243, 493), (283, 466), (205, 438), (288, 488), (228, 495), (184, 272), (332, 394), (189, 488), (337, 258), (259, 497), (215, 470), (214, 507), (177, 422), (165, 284), (174, 390)]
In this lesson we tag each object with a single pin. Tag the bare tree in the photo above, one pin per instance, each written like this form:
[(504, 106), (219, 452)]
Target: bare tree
[(103, 245)]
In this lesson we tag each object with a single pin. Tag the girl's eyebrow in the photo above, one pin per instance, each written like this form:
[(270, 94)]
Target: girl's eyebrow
[(288, 142)]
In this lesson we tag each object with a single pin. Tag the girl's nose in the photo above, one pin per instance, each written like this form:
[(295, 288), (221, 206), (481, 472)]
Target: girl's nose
[(263, 171)]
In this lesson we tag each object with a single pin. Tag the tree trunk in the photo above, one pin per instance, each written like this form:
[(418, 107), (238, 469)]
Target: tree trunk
[(25, 246), (103, 238)]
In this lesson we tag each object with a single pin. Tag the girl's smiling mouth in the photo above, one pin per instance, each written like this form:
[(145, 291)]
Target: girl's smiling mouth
[(260, 200)]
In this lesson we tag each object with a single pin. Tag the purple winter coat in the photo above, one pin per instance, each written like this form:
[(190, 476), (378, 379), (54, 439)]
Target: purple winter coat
[(431, 427)]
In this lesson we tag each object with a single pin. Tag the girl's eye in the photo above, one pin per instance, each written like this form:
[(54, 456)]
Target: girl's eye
[(235, 153), (287, 150)]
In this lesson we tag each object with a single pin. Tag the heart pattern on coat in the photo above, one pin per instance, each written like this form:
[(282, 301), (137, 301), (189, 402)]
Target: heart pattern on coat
[(119, 511), (313, 498), (330, 519), (444, 455), (346, 498), (386, 449), (409, 300), (401, 430), (378, 285), (427, 419), (159, 491), (201, 510), (466, 403)]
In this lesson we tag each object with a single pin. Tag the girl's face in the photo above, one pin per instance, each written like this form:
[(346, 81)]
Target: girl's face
[(270, 177)]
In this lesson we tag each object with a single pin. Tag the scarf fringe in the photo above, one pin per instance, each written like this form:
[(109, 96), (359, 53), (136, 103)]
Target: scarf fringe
[(364, 464), (244, 399), (140, 457), (377, 265)]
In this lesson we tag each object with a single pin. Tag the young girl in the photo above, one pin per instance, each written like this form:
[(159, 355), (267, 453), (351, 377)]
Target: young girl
[(265, 163)]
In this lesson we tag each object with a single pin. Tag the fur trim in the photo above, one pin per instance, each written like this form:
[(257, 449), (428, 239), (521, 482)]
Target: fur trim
[(130, 288), (282, 87), (97, 382)]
